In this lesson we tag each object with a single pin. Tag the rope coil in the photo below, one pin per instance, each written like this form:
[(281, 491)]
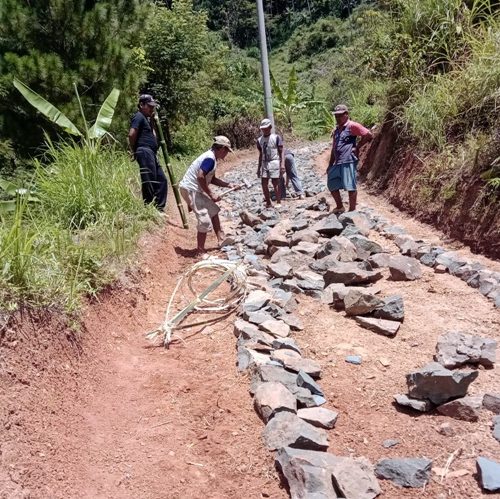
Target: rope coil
[(233, 272)]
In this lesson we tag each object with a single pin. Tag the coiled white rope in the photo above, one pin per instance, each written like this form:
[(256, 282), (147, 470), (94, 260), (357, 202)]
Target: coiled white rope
[(233, 272)]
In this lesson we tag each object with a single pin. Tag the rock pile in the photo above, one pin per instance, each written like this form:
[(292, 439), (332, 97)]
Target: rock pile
[(332, 258)]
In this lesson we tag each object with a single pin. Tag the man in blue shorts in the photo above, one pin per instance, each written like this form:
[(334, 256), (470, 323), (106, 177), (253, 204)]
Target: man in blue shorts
[(343, 161)]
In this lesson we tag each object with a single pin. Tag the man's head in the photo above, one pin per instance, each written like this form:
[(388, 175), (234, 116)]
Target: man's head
[(147, 105), (341, 113), (221, 146), (266, 126)]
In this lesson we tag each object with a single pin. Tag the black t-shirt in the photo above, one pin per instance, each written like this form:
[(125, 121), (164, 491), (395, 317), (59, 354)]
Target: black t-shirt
[(145, 137)]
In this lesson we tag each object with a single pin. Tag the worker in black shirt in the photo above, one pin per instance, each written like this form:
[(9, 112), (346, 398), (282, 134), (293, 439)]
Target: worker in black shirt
[(144, 146)]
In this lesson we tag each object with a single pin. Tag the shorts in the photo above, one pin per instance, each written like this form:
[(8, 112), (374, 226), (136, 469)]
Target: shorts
[(342, 176), (271, 169), (203, 207)]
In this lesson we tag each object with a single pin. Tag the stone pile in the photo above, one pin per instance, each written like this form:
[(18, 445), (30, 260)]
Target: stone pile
[(332, 258)]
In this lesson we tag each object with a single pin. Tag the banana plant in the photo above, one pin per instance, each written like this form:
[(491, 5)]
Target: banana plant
[(287, 101), (98, 130)]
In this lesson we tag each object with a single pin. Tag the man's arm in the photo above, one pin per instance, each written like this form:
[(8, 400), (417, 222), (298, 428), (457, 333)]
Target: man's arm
[(259, 164), (331, 161), (219, 182), (365, 134), (132, 140), (202, 181)]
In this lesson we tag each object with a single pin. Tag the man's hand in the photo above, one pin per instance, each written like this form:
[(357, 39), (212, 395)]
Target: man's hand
[(236, 187), (215, 199), (282, 169)]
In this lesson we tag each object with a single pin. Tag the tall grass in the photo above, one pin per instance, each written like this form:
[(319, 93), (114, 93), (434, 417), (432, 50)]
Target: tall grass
[(70, 243)]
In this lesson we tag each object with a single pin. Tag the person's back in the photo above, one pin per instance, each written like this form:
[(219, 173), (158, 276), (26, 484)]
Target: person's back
[(207, 163)]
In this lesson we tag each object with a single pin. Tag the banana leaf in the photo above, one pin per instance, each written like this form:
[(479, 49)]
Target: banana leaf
[(105, 116), (46, 108)]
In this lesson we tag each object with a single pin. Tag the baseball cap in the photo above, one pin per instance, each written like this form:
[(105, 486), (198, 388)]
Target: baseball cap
[(341, 109), (265, 123), (147, 99), (222, 140)]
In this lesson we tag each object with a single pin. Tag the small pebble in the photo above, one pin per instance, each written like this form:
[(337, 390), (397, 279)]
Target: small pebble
[(354, 359)]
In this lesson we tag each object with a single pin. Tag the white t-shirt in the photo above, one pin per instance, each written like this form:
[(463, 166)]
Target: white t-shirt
[(205, 162), (269, 146)]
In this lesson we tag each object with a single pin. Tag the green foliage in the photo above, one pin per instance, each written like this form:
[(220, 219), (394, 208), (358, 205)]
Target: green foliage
[(51, 45), (311, 40), (87, 219), (287, 101), (98, 130)]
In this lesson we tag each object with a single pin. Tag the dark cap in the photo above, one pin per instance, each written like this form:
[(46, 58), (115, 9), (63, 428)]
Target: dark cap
[(341, 109), (147, 99)]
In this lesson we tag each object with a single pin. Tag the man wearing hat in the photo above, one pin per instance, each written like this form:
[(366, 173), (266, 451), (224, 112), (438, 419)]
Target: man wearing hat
[(143, 147), (271, 166), (343, 161), (199, 197)]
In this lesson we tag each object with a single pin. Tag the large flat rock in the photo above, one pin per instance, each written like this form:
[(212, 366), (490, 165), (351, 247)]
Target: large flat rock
[(350, 274), (438, 384), (288, 430), (353, 477), (405, 472), (379, 326), (457, 348), (272, 398)]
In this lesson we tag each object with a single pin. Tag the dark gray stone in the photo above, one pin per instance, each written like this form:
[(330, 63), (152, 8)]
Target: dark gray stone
[(269, 373), (286, 343), (491, 401), (356, 219), (319, 416), (249, 218), (390, 442), (365, 245), (300, 224), (272, 398), (353, 478), (334, 295), (340, 246), (456, 348), (451, 260), (257, 317), (417, 405), (380, 326), (304, 236), (329, 226), (392, 309), (297, 364), (496, 428), (305, 381), (288, 430), (249, 358), (350, 274), (293, 321), (360, 302), (256, 300), (466, 408), (405, 472), (309, 280), (489, 474), (404, 268), (280, 269), (438, 384), (380, 260)]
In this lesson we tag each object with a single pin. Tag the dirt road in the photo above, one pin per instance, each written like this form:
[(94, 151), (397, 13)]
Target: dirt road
[(101, 414)]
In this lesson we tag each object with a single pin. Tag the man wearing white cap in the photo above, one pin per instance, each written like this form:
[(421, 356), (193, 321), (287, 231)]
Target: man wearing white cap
[(271, 166), (196, 192)]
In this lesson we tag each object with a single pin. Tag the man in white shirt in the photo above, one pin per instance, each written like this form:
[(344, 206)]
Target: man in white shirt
[(196, 192), (271, 165)]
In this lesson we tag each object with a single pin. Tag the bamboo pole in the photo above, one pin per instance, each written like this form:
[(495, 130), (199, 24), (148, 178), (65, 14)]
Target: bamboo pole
[(168, 166)]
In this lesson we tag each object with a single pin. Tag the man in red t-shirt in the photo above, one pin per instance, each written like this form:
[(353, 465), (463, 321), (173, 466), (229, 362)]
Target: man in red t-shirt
[(341, 169)]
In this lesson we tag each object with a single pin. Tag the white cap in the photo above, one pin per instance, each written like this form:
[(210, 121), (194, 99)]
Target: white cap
[(222, 140), (265, 123)]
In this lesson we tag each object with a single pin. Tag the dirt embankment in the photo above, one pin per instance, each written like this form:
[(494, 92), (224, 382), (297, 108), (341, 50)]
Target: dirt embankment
[(456, 201)]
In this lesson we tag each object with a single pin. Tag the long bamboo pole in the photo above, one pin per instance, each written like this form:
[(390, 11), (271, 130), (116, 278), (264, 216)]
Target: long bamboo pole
[(171, 175)]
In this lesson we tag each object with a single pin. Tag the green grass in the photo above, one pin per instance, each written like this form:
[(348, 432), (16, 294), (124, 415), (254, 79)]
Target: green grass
[(83, 228)]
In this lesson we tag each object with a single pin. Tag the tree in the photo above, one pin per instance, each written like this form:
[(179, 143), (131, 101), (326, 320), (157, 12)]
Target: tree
[(51, 44)]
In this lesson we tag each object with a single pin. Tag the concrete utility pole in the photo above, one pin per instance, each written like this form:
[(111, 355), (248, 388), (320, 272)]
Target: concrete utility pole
[(266, 79)]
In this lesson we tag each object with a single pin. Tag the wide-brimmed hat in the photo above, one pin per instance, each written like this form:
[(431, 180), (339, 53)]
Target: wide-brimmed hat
[(222, 140), (341, 109), (265, 123), (147, 99)]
